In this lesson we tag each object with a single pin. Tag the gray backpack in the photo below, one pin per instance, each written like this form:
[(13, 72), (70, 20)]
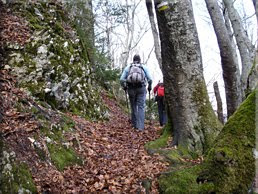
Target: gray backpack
[(136, 74)]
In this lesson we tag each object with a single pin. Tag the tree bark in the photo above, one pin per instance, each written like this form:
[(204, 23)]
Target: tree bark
[(255, 8), (194, 122), (154, 32), (229, 63), (130, 33), (246, 49), (252, 82), (219, 102), (231, 37)]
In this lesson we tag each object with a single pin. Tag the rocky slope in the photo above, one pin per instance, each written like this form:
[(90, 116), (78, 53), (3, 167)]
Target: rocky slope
[(48, 58)]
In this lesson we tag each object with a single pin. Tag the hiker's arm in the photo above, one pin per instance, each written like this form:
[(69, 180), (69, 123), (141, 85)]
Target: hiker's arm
[(124, 76), (148, 76), (155, 88)]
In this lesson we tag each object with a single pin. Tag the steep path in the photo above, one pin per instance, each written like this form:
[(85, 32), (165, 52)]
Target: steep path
[(113, 153), (115, 156)]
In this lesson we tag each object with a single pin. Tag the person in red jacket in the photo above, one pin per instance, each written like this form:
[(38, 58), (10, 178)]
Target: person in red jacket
[(159, 92)]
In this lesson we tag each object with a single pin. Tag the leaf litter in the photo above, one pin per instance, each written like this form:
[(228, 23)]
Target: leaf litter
[(113, 153), (114, 157)]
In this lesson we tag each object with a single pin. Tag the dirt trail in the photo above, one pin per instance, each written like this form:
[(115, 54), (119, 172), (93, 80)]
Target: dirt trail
[(115, 157), (113, 153)]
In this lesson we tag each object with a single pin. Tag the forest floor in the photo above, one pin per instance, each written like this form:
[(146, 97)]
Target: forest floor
[(113, 153), (114, 159)]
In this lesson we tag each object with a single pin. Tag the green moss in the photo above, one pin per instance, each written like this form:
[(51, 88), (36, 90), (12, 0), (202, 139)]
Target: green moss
[(160, 142), (58, 28), (20, 107), (35, 89), (18, 178), (61, 153), (229, 165), (34, 22), (181, 181), (173, 156), (68, 123), (208, 125), (62, 156), (53, 131)]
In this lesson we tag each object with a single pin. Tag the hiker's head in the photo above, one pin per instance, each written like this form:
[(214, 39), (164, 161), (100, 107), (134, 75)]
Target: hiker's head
[(136, 58)]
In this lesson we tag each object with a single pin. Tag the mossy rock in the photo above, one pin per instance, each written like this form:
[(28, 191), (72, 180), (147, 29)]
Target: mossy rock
[(53, 130), (62, 154), (63, 157), (17, 179), (182, 182), (52, 66)]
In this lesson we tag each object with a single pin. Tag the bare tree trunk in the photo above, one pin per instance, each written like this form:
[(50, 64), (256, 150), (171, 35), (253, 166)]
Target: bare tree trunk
[(129, 36), (130, 25), (246, 49), (256, 8), (219, 102), (154, 32), (194, 122), (228, 61), (231, 37), (252, 82)]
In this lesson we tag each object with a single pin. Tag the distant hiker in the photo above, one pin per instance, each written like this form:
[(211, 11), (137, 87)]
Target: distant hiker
[(159, 92), (134, 79)]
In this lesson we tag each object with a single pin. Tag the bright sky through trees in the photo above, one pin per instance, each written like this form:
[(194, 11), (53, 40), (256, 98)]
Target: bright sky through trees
[(208, 41)]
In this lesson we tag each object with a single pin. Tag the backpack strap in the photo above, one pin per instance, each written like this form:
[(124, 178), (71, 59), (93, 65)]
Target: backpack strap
[(130, 68), (144, 72)]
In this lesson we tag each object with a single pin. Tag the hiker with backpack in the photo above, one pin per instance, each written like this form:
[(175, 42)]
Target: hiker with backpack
[(133, 80), (159, 92)]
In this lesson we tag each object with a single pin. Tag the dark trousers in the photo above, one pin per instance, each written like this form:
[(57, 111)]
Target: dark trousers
[(137, 100), (162, 111)]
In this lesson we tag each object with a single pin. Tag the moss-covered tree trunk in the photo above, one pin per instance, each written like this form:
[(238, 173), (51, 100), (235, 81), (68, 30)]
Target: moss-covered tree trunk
[(229, 166), (194, 122)]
